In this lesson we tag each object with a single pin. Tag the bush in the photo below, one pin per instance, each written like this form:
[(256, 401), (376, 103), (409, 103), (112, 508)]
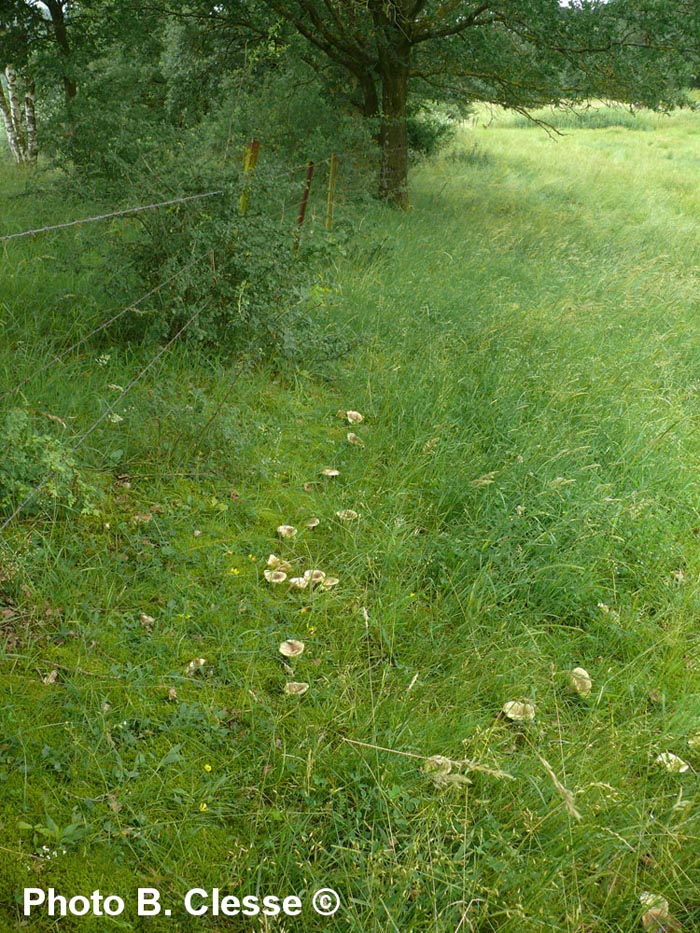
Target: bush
[(33, 461), (429, 131), (152, 129), (237, 272)]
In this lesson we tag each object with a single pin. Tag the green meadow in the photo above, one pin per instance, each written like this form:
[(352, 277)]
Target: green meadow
[(525, 500)]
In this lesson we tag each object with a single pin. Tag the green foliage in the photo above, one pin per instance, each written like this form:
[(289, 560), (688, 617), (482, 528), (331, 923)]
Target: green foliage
[(32, 459), (429, 130), (115, 126), (167, 123), (254, 292)]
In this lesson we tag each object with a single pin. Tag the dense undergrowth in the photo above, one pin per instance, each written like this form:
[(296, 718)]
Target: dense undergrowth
[(525, 360)]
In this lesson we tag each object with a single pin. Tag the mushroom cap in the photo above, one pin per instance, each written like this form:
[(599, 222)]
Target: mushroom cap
[(580, 681), (437, 763), (672, 763), (286, 531), (275, 576), (295, 689), (518, 711), (314, 576), (347, 515), (291, 648)]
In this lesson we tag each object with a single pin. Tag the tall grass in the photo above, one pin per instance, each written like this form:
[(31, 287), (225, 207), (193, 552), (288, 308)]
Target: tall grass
[(528, 504)]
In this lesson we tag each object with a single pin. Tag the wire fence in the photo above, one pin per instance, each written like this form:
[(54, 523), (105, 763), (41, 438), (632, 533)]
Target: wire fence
[(271, 178), (134, 306), (105, 414), (100, 217)]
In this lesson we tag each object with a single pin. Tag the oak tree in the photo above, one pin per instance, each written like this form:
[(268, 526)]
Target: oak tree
[(520, 54)]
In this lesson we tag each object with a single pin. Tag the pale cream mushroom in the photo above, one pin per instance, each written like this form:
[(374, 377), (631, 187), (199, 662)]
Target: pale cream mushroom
[(314, 576), (286, 531), (275, 576), (518, 711), (291, 648), (276, 563), (672, 763), (657, 917), (437, 763), (580, 682), (347, 515), (295, 689), (354, 439)]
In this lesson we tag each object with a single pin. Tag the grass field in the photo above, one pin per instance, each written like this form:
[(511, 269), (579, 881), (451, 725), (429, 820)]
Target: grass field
[(527, 499)]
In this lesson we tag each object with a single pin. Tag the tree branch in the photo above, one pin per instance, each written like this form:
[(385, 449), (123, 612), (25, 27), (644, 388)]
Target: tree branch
[(452, 29)]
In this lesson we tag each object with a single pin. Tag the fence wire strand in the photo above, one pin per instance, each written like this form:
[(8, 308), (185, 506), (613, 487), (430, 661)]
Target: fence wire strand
[(110, 408), (149, 207), (132, 307), (122, 213), (105, 414)]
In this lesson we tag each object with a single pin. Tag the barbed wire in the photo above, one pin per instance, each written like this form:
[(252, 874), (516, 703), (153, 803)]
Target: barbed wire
[(181, 200), (105, 414), (97, 217), (148, 207), (132, 307)]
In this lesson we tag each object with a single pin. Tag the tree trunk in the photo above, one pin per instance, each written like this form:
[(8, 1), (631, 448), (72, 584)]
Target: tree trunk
[(16, 114), (370, 98), (13, 141), (60, 31), (393, 174), (19, 119), (30, 117)]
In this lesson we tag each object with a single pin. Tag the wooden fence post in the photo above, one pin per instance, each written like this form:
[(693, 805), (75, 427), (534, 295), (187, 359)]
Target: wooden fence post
[(331, 191), (249, 163), (304, 202)]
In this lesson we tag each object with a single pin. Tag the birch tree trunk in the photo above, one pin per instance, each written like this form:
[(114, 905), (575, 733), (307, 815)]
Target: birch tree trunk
[(16, 108), (14, 142), (19, 118), (30, 117)]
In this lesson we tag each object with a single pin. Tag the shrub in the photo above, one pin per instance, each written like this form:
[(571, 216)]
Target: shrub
[(429, 130), (238, 273), (33, 461)]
